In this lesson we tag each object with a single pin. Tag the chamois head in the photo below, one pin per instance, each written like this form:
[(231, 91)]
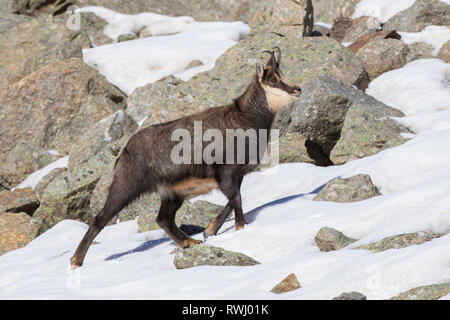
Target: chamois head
[(279, 90)]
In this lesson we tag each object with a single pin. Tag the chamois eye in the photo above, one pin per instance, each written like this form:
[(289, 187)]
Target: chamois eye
[(272, 80)]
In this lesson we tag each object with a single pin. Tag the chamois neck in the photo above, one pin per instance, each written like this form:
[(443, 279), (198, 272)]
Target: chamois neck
[(253, 103)]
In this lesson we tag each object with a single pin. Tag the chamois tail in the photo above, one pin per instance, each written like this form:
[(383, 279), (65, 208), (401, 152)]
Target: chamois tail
[(124, 188)]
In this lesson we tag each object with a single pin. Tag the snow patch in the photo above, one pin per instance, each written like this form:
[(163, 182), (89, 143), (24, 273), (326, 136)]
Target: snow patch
[(381, 9), (435, 36)]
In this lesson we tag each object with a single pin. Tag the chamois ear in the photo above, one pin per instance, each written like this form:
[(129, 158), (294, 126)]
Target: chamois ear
[(259, 71), (277, 54), (272, 62)]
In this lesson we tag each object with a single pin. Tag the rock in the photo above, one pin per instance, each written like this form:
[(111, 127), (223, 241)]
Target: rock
[(362, 41), (353, 295), (55, 105), (40, 7), (194, 63), (276, 13), (380, 56), (16, 230), (44, 181), (170, 99), (110, 134), (329, 239), (340, 27), (421, 14), (360, 27), (292, 149), (321, 110), (202, 254), (366, 131), (419, 50), (68, 195), (6, 6), (32, 44), (401, 241), (25, 158), (327, 11), (19, 200), (92, 26), (127, 37), (429, 292), (289, 283), (352, 189), (444, 52), (320, 30)]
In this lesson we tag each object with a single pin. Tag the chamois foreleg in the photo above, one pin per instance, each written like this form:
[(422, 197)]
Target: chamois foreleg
[(166, 220), (216, 223), (230, 185)]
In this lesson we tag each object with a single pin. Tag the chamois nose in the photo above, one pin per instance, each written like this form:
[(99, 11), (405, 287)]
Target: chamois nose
[(297, 91)]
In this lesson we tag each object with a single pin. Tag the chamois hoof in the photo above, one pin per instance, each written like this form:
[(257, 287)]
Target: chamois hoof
[(205, 236), (191, 242), (74, 264), (239, 226)]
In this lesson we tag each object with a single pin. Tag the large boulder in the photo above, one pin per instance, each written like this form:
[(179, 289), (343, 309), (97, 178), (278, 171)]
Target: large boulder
[(303, 60), (16, 230), (55, 105), (401, 241), (419, 50), (380, 56), (327, 11), (428, 292), (329, 239), (349, 30), (25, 158), (321, 112), (33, 43), (68, 195), (202, 254), (19, 200), (352, 189), (421, 14), (363, 40)]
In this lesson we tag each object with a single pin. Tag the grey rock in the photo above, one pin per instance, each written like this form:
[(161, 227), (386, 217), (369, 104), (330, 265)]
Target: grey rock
[(421, 14), (352, 189), (428, 292), (19, 200), (419, 50), (202, 254), (127, 37), (360, 27), (352, 295), (329, 239), (44, 181)]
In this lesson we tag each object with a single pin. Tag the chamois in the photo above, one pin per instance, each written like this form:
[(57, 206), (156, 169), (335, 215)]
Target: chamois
[(145, 165)]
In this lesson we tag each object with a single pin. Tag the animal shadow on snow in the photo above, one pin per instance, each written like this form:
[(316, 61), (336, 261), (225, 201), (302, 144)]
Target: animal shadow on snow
[(192, 230)]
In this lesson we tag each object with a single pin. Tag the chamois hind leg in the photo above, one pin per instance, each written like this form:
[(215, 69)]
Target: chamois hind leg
[(166, 220), (123, 190), (216, 223), (230, 185)]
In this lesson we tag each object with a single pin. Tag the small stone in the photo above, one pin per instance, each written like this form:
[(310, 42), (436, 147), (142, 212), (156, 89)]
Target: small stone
[(289, 283), (194, 63), (203, 254), (329, 239), (127, 37), (353, 295)]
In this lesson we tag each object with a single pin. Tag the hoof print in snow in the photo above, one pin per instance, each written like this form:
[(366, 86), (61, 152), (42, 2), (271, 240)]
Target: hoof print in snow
[(430, 292), (329, 239), (353, 295), (401, 241), (289, 283), (19, 200), (356, 188), (202, 254)]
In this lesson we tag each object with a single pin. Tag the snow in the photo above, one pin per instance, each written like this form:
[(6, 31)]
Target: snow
[(381, 9), (34, 178), (135, 63), (435, 36), (421, 89), (414, 180)]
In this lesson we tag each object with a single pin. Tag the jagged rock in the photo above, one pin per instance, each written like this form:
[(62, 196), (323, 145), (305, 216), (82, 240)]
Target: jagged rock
[(401, 241), (380, 56), (40, 7), (320, 112), (421, 14), (429, 292), (68, 195), (92, 26), (16, 230), (203, 254), (55, 105), (110, 134), (329, 239), (352, 295), (352, 189), (327, 11), (362, 41), (289, 283), (44, 181), (25, 158), (170, 99), (34, 43), (360, 27), (19, 200), (340, 27), (366, 131), (444, 52), (419, 50)]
